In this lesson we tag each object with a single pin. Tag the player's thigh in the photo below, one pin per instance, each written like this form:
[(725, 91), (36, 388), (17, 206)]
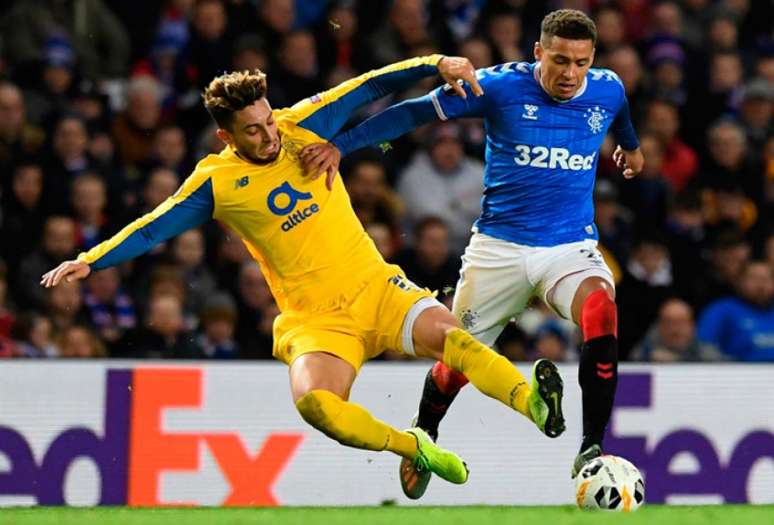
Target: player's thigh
[(321, 371), (493, 286), (564, 269), (323, 351), (400, 304)]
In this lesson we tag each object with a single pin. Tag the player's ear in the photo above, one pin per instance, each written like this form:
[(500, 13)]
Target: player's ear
[(538, 51), (225, 136)]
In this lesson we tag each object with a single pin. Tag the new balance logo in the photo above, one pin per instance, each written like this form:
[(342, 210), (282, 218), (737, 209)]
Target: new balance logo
[(241, 183)]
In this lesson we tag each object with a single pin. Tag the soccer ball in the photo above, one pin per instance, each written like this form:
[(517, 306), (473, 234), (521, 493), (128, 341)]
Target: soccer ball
[(609, 483)]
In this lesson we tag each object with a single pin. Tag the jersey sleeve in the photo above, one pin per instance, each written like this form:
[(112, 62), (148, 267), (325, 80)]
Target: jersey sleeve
[(326, 113), (449, 105), (622, 127), (192, 205)]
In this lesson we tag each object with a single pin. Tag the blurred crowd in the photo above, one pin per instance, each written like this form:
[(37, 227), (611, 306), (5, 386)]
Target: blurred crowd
[(101, 119)]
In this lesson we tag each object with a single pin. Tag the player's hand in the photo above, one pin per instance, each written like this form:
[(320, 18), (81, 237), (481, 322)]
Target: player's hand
[(631, 162), (321, 158), (453, 69), (68, 270)]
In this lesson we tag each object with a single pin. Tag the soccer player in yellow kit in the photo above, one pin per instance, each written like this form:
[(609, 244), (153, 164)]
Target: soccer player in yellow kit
[(341, 303)]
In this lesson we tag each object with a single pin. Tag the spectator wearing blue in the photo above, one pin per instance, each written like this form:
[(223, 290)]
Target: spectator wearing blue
[(742, 327)]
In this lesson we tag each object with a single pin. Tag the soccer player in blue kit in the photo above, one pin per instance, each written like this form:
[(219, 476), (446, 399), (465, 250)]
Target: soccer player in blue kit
[(545, 122)]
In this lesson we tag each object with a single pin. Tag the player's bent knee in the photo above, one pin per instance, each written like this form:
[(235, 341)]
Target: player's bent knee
[(599, 315)]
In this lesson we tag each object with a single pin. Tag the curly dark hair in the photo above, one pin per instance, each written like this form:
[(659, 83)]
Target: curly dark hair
[(232, 92), (568, 23)]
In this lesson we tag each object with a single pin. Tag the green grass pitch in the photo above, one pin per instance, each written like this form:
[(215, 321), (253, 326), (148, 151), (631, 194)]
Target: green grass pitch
[(651, 514)]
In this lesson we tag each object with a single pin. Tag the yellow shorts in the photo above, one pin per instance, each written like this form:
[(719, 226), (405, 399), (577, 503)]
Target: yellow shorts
[(369, 324)]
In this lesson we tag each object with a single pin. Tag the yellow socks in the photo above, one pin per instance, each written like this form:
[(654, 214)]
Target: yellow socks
[(490, 372), (353, 425)]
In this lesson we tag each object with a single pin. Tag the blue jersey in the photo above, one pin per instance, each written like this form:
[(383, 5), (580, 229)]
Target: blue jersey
[(738, 329), (541, 154)]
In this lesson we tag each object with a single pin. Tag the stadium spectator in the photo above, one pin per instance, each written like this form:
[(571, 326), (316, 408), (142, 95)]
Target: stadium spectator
[(551, 342), (625, 61), (58, 245), (504, 33), (408, 25), (337, 43), (23, 214), (19, 139), (614, 222), (255, 305), (383, 238), (478, 51), (134, 128), (372, 199), (250, 53), (646, 284), (729, 163), (672, 337), (99, 39), (757, 112), (7, 314), (276, 18), (169, 150), (187, 252), (218, 320), (210, 47), (89, 203), (680, 161), (430, 263), (687, 67), (298, 73), (729, 254), (444, 183), (742, 327), (79, 342), (111, 309), (647, 195), (611, 29), (51, 95), (32, 337), (163, 335), (65, 306), (68, 158)]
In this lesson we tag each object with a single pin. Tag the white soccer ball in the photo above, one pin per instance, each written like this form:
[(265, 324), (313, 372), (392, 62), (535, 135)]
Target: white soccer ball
[(609, 483)]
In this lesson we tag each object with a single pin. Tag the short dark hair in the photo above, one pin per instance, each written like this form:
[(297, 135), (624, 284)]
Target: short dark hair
[(568, 23), (232, 92)]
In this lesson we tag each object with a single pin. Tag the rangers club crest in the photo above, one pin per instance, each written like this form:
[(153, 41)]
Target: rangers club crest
[(595, 118)]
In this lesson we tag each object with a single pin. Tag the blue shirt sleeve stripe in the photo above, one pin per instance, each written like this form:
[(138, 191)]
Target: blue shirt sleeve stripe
[(184, 215)]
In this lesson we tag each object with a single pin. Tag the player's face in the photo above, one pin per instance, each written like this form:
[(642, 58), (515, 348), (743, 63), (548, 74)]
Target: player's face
[(254, 133), (563, 65)]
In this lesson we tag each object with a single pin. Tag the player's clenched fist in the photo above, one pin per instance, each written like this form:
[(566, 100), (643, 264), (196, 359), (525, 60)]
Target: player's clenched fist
[(68, 270), (453, 69), (631, 162)]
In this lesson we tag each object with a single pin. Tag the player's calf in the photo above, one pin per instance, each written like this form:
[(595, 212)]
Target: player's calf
[(598, 370)]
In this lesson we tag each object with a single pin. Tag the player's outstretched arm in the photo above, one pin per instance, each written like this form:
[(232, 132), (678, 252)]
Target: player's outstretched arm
[(627, 156), (326, 113), (192, 205)]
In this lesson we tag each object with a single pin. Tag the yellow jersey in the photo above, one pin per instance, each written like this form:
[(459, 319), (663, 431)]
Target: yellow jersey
[(310, 244)]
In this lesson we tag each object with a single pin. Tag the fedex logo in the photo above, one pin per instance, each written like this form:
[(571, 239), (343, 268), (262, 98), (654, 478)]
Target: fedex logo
[(712, 475), (134, 450)]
